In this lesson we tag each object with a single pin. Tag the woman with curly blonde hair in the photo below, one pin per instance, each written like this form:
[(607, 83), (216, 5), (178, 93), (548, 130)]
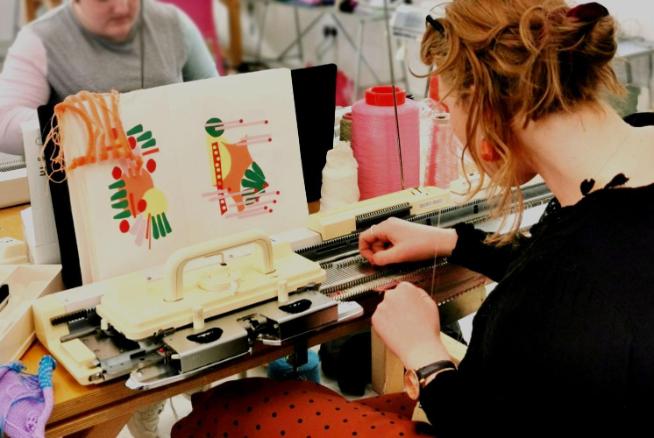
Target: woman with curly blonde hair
[(564, 345), (567, 336)]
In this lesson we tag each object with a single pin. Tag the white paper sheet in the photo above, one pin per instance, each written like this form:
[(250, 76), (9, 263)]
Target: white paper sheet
[(219, 156)]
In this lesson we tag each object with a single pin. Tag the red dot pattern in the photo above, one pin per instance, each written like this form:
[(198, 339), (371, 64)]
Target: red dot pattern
[(142, 205), (151, 165), (266, 408), (124, 226)]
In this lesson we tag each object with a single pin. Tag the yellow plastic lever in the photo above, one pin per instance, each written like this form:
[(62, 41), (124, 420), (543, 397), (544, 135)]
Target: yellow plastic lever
[(178, 260)]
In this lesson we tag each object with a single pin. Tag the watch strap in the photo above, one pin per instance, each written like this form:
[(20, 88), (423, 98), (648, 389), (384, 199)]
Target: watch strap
[(426, 371)]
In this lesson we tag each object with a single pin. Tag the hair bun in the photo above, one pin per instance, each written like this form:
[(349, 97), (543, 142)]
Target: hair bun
[(590, 35), (588, 12)]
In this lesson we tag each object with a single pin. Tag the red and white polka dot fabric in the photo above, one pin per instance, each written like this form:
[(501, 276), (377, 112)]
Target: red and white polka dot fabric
[(267, 408)]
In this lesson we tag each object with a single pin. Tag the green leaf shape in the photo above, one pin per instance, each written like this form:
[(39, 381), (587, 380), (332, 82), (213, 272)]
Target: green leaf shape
[(117, 185), (166, 224), (122, 215), (135, 130), (119, 195), (162, 229), (253, 176), (258, 170), (120, 205), (148, 144), (155, 229), (147, 135), (251, 184)]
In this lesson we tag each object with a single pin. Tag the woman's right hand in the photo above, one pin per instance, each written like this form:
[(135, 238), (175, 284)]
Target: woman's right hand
[(397, 241)]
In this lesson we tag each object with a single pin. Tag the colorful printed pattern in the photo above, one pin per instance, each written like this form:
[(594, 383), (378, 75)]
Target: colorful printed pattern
[(239, 181), (141, 206)]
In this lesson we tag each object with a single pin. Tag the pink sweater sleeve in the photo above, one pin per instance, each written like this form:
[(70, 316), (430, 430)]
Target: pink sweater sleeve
[(23, 87)]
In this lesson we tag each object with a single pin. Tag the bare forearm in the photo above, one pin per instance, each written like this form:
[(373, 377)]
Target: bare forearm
[(23, 87), (10, 133)]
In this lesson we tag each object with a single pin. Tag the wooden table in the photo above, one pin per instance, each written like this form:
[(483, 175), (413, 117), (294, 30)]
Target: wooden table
[(10, 223), (235, 50), (103, 410)]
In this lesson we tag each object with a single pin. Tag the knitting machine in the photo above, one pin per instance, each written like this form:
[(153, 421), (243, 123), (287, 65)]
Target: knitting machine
[(211, 303), (457, 291), (166, 325)]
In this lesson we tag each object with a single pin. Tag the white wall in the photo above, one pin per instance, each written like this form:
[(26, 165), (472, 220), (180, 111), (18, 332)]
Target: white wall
[(280, 31), (7, 19), (636, 17)]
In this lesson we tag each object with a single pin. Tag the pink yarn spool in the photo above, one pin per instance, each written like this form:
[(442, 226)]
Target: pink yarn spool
[(374, 141), (442, 166)]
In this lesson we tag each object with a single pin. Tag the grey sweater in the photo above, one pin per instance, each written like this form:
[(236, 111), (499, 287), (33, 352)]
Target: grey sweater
[(78, 60), (56, 57)]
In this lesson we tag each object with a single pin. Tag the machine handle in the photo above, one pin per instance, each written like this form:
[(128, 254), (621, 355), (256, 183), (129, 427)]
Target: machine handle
[(178, 260)]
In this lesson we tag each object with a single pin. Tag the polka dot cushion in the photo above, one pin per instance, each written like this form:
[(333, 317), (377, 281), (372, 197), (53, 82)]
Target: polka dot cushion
[(266, 408)]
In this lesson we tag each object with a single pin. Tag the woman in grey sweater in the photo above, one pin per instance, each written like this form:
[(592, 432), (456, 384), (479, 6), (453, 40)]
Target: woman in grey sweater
[(98, 46)]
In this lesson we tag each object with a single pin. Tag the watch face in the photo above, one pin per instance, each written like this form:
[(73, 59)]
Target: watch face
[(411, 384)]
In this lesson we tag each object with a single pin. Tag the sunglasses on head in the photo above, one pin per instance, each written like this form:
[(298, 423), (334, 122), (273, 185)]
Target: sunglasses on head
[(435, 24)]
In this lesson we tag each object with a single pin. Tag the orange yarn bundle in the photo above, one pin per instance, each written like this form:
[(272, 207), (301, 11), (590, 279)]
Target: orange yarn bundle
[(106, 138)]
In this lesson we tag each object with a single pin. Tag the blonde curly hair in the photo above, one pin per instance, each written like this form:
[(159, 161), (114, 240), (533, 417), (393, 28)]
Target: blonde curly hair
[(512, 62)]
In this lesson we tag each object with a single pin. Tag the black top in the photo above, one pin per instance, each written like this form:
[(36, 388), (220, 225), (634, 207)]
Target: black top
[(568, 333)]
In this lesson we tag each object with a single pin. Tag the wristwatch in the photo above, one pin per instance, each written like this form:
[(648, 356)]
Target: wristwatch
[(414, 380), (4, 295)]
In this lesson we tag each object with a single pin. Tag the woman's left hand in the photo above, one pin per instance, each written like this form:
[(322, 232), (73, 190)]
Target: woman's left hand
[(407, 321)]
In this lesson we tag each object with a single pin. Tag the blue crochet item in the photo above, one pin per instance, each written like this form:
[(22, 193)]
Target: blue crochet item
[(280, 369), (26, 400), (16, 367), (46, 367)]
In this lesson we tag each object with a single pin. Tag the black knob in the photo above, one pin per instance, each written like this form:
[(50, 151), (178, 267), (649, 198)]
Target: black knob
[(206, 336), (297, 306)]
